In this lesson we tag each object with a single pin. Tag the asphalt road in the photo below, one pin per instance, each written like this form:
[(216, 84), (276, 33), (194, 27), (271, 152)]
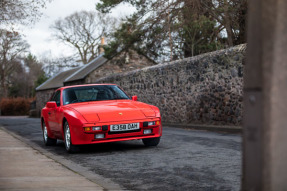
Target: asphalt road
[(184, 160)]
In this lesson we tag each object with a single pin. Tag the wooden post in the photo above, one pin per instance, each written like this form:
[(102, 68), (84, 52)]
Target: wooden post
[(265, 98)]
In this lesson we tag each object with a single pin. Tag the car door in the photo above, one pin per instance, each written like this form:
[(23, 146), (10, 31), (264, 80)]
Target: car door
[(52, 120), (58, 116)]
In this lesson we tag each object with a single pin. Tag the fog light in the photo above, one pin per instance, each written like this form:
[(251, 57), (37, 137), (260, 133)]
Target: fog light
[(87, 128), (100, 136), (97, 128), (151, 123), (145, 124), (105, 127), (147, 131)]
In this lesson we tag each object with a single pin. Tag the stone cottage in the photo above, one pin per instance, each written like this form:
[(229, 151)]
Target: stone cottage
[(99, 67)]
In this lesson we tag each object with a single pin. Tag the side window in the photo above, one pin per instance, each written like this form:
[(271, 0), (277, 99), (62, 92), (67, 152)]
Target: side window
[(57, 97)]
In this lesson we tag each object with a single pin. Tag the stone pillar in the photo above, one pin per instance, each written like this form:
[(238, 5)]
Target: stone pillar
[(265, 98)]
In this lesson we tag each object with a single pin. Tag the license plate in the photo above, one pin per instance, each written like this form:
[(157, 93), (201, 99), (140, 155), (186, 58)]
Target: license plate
[(125, 127)]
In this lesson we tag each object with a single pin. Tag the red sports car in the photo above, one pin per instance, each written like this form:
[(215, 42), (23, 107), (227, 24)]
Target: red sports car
[(98, 113)]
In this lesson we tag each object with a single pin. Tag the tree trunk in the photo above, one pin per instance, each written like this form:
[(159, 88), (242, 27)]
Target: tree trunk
[(227, 23), (3, 92), (170, 38), (242, 22), (186, 17), (3, 86)]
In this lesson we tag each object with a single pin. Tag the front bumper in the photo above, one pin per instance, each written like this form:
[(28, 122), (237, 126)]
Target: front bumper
[(81, 137)]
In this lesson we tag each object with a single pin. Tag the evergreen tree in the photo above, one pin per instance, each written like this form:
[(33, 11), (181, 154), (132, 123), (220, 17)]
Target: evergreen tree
[(167, 30)]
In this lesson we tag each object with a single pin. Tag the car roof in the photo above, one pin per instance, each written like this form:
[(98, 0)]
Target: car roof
[(65, 87)]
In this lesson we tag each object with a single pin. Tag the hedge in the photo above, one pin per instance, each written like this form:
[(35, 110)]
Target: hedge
[(15, 106)]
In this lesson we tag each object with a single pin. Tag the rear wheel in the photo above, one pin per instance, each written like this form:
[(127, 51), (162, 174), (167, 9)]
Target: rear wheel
[(47, 140), (68, 141), (151, 142)]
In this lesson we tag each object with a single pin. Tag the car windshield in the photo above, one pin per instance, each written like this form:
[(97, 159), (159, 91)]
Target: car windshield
[(93, 93)]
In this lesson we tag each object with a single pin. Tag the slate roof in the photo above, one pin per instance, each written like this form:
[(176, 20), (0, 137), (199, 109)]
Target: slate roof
[(78, 73), (57, 80), (86, 69)]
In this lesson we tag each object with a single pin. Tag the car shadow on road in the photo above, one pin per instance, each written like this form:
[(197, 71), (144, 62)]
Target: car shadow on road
[(102, 148)]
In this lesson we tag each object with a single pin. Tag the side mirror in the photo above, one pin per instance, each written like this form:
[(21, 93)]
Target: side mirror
[(51, 104), (134, 98)]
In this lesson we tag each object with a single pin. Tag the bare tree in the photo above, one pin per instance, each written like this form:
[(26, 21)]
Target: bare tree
[(83, 31), (11, 47), (22, 11), (53, 65)]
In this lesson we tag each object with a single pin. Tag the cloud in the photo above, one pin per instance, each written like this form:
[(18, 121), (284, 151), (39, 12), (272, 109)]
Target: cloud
[(39, 36)]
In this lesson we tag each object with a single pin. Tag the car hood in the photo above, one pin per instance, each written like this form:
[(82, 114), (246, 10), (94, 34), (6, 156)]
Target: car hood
[(116, 110)]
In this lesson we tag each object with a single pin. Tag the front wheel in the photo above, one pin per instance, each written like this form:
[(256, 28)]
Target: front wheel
[(151, 142), (68, 141), (47, 140)]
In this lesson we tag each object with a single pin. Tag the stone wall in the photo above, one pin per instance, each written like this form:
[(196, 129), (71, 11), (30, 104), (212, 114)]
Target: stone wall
[(41, 99), (202, 89)]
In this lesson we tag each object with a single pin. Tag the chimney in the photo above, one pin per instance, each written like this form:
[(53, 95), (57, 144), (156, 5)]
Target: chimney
[(102, 45)]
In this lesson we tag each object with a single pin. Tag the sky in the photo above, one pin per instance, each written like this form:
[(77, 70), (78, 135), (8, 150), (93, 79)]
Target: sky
[(39, 35)]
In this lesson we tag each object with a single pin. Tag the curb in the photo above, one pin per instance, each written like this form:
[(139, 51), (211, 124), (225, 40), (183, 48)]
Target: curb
[(106, 183), (213, 128)]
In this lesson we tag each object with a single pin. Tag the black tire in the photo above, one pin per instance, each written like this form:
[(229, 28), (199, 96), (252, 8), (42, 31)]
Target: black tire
[(47, 140), (68, 140), (151, 142)]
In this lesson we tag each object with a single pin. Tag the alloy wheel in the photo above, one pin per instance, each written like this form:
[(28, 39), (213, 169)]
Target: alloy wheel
[(45, 133), (67, 137)]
